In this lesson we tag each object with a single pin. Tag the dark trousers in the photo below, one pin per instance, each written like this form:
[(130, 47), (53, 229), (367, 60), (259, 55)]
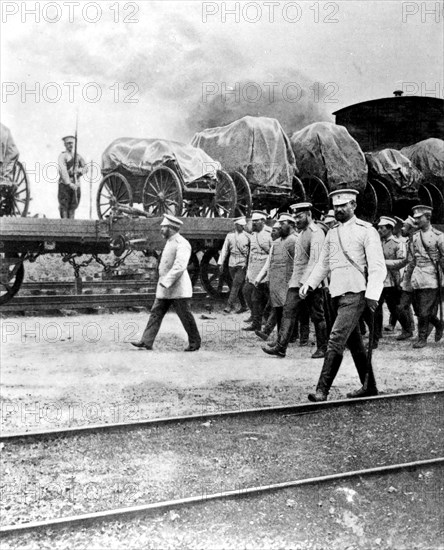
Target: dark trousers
[(291, 312), (425, 305), (238, 279), (391, 296), (347, 309), (405, 308), (158, 311), (259, 299), (247, 291)]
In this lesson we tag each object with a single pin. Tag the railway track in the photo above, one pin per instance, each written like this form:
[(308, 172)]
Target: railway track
[(74, 521), (84, 301)]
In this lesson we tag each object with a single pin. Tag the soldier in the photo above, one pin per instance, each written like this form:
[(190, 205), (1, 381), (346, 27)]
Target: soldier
[(260, 244), (236, 248), (424, 271), (69, 188), (307, 251), (173, 287), (405, 300), (330, 219), (395, 258), (352, 253), (279, 265)]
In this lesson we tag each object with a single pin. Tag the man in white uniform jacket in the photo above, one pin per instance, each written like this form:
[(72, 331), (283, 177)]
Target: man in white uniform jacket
[(173, 288)]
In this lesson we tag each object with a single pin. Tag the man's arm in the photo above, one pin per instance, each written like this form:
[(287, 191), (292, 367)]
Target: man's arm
[(322, 267), (400, 261), (225, 250), (264, 271), (63, 169), (316, 244), (377, 271)]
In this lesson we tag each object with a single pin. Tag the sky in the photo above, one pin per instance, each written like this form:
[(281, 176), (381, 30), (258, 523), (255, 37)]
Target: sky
[(164, 69)]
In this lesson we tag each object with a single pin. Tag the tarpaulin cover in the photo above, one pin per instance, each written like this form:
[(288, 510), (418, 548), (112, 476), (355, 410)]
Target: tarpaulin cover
[(395, 170), (328, 151), (8, 152), (428, 157), (142, 156), (257, 147)]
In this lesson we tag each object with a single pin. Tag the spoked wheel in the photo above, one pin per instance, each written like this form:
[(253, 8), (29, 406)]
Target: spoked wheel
[(223, 204), (298, 193), (114, 189), (162, 193), (14, 195), (437, 202), (367, 204), (191, 208), (425, 197), (193, 268), (243, 192), (11, 276), (316, 192), (215, 283), (385, 202)]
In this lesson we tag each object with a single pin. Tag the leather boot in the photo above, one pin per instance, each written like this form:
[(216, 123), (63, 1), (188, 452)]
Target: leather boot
[(304, 334), (332, 362), (423, 326), (321, 340), (435, 322)]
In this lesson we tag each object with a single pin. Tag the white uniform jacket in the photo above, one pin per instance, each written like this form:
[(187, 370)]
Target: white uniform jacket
[(174, 281)]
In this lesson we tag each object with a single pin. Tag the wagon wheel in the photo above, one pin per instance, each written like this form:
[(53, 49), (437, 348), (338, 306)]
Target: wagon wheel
[(316, 192), (114, 189), (367, 204), (437, 202), (12, 272), (14, 199), (191, 208), (298, 192), (214, 283), (385, 202), (193, 268), (425, 197), (243, 191), (162, 192), (223, 204)]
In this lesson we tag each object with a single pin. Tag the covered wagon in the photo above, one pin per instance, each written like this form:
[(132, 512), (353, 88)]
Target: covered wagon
[(258, 156), (166, 177)]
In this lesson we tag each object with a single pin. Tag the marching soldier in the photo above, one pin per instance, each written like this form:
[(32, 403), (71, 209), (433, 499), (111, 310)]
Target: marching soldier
[(236, 248), (173, 288), (260, 244), (307, 251), (352, 254), (424, 271), (69, 188), (405, 300), (279, 265), (395, 258)]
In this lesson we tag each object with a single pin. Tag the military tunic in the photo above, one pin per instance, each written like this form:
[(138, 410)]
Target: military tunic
[(237, 246), (260, 244), (69, 198), (421, 271)]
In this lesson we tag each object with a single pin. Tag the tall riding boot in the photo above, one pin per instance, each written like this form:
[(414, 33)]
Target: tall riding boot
[(304, 333), (321, 340), (366, 377), (435, 322), (330, 368), (423, 327)]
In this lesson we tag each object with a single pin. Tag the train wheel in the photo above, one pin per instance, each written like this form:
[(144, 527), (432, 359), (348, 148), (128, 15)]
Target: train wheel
[(367, 204), (437, 202), (223, 204), (316, 192), (114, 189), (12, 272), (385, 202), (162, 192), (213, 282), (243, 192)]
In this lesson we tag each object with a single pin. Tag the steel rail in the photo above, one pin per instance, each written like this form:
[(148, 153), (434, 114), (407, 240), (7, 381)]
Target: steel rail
[(299, 409), (82, 301), (160, 507)]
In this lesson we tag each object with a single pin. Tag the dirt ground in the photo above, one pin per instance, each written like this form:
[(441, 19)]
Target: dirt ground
[(75, 370)]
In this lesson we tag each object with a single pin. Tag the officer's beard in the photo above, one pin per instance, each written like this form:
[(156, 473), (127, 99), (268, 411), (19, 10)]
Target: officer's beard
[(285, 231)]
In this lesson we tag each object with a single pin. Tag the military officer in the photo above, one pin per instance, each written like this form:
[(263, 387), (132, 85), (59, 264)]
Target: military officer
[(424, 271), (279, 265), (236, 248), (307, 251), (69, 188), (395, 258), (352, 254), (260, 244), (173, 287)]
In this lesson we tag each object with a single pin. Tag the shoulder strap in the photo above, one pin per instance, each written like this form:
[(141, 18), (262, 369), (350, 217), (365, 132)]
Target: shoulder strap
[(349, 259)]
